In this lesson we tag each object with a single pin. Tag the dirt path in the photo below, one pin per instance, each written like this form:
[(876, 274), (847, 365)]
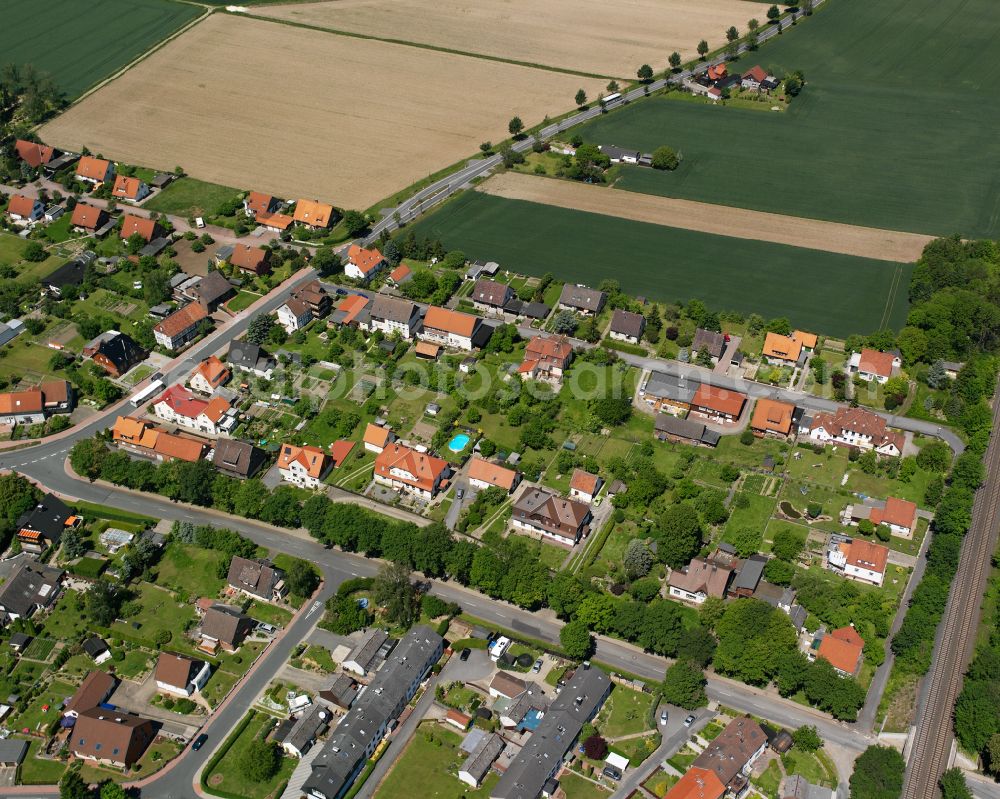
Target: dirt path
[(885, 245)]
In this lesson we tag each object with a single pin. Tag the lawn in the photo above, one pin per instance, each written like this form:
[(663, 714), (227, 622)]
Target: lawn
[(431, 761), (269, 614), (228, 776), (831, 293), (79, 44), (34, 718), (856, 146), (809, 766), (242, 301), (38, 771), (577, 787), (65, 621), (191, 570), (624, 712), (768, 781), (159, 612), (638, 749), (191, 197), (319, 657)]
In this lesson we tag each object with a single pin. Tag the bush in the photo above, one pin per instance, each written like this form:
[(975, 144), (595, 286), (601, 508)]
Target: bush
[(595, 747)]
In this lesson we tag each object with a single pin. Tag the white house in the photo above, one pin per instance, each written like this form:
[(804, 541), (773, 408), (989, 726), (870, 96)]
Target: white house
[(392, 316), (294, 315), (860, 560), (626, 326), (584, 485), (181, 676), (362, 264), (874, 366), (449, 328), (304, 466), (180, 406), (25, 210), (856, 427)]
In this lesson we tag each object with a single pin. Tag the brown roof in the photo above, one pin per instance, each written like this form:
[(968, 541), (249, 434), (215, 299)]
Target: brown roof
[(21, 205), (94, 689), (720, 400), (627, 323), (551, 512), (756, 72), (426, 349), (226, 625), (701, 576), (866, 555), (490, 292), (255, 576), (113, 735), (16, 402), (900, 512), (86, 216), (842, 648), (773, 416), (584, 481), (138, 224), (709, 340), (781, 347), (456, 322), (235, 456), (459, 718), (55, 391), (876, 363), (860, 422), (507, 684), (93, 168), (174, 670), (487, 472), (732, 749), (313, 212), (253, 259), (181, 320), (33, 153), (126, 188)]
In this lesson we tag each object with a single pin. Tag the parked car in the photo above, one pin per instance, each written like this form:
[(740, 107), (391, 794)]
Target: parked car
[(689, 721), (612, 772), (465, 654), (199, 742), (460, 493), (663, 717), (199, 222), (537, 667)]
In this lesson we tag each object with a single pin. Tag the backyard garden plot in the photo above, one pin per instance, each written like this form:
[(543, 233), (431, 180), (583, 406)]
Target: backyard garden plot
[(828, 292), (860, 144), (304, 129), (588, 36), (79, 44)]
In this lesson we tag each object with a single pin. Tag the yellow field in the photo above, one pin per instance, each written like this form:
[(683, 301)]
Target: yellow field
[(297, 112), (592, 36)]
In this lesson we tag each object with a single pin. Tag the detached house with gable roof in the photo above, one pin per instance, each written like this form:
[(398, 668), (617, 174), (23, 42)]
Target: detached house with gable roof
[(718, 404), (627, 326), (485, 474), (782, 350), (43, 525), (584, 486), (858, 559), (547, 515), (146, 228), (491, 296), (180, 327), (899, 515), (256, 260), (259, 203), (391, 315), (181, 676), (313, 213), (209, 375), (874, 366), (115, 352), (546, 359), (417, 473), (181, 407), (94, 170), (699, 580), (772, 419), (24, 210), (857, 427), (30, 587), (256, 578), (449, 328), (34, 154), (843, 649), (304, 466), (129, 189), (88, 218), (363, 263), (581, 299)]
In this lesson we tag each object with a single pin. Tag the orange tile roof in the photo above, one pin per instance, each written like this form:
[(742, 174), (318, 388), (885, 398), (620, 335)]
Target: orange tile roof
[(720, 400), (805, 339), (900, 512), (33, 153), (135, 431), (179, 448), (21, 205), (875, 362), (181, 320), (339, 450), (773, 416), (17, 402), (783, 347), (426, 469), (93, 168), (138, 224), (313, 212), (697, 783), (352, 306), (216, 409), (213, 370), (259, 202), (364, 259), (584, 481), (126, 188), (312, 459), (251, 258), (842, 648), (86, 216), (427, 349), (555, 348), (866, 555), (376, 436), (456, 322), (279, 221), (487, 472), (756, 72), (399, 273)]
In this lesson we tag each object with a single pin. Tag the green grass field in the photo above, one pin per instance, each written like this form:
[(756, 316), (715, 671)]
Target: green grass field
[(80, 44), (191, 197), (880, 136), (834, 294)]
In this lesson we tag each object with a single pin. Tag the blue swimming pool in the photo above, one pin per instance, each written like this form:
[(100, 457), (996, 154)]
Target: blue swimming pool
[(459, 442)]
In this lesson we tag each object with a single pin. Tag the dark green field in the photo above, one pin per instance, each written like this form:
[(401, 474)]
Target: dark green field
[(825, 292), (80, 42), (897, 127)]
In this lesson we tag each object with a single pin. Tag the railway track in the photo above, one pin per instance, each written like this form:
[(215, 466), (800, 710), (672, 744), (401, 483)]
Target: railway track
[(931, 748)]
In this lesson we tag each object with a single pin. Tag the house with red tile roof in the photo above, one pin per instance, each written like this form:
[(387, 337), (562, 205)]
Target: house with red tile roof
[(255, 260), (130, 189), (697, 783), (339, 450), (377, 438), (718, 404), (33, 153), (584, 486), (485, 474), (858, 559), (856, 427), (699, 580), (449, 328), (313, 213), (753, 77), (843, 649), (132, 224), (399, 275), (256, 203), (546, 358), (417, 473), (179, 406), (873, 365), (807, 340), (363, 263), (24, 210), (94, 170), (180, 327), (277, 223), (304, 466), (352, 311), (899, 515), (209, 375), (772, 419), (88, 217)]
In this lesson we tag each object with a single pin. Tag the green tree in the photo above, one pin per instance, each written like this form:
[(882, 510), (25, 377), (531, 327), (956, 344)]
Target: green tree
[(953, 785), (576, 640), (684, 685), (515, 126), (73, 544), (72, 786), (301, 578), (260, 760), (394, 591), (638, 560), (678, 536), (746, 541), (773, 13), (732, 34), (259, 328), (87, 457), (355, 222), (702, 49), (696, 644), (34, 252), (581, 98), (564, 323), (112, 790), (645, 73), (807, 739), (878, 774), (934, 457), (675, 61), (665, 158)]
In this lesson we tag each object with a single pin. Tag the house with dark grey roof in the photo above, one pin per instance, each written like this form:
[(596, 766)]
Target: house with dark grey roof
[(341, 692), (477, 765), (12, 752), (529, 310), (115, 352), (251, 358), (43, 525), (547, 515), (212, 290), (361, 659), (627, 326), (71, 273), (542, 756), (309, 726), (581, 299), (748, 576), (237, 458), (392, 315), (359, 733), (490, 296), (712, 342), (97, 649), (671, 394), (684, 431)]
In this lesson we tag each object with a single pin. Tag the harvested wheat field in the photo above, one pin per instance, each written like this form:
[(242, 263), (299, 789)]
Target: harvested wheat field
[(722, 220), (591, 36), (302, 113)]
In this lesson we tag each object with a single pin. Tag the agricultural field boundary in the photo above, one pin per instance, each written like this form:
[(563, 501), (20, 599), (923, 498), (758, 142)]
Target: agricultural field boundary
[(722, 220)]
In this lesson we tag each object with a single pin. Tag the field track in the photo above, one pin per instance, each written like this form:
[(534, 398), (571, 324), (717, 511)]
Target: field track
[(723, 220), (956, 636)]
